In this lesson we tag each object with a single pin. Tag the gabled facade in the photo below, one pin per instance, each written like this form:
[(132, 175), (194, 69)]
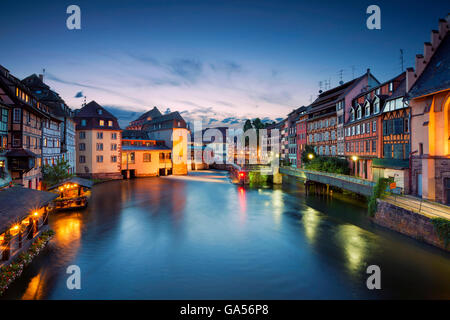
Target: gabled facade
[(363, 131), (61, 113), (428, 91), (98, 140), (328, 113), (24, 131), (172, 129), (147, 116)]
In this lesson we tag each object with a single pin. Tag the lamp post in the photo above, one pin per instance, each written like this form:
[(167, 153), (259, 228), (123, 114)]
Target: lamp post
[(355, 159)]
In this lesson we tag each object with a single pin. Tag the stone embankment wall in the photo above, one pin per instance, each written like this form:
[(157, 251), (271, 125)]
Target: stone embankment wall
[(407, 222)]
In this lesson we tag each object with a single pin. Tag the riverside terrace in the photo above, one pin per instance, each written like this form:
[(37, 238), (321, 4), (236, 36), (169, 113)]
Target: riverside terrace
[(23, 216)]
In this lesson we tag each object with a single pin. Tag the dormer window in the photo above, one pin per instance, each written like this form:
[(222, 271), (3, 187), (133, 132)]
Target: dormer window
[(359, 112), (376, 105), (391, 86), (99, 111), (102, 123), (367, 109), (377, 91), (110, 123), (352, 112), (83, 122)]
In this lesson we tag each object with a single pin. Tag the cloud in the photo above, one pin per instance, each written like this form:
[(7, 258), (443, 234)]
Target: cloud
[(79, 94), (188, 69)]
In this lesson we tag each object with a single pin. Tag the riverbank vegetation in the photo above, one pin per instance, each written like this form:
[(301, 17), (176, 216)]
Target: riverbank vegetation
[(54, 174), (12, 271), (379, 191), (442, 228), (328, 164)]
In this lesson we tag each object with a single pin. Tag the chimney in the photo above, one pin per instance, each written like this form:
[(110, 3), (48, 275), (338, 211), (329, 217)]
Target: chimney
[(419, 64), (410, 78), (41, 77), (428, 52), (443, 28), (435, 39)]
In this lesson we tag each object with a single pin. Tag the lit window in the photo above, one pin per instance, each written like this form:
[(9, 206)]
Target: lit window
[(110, 123), (102, 123)]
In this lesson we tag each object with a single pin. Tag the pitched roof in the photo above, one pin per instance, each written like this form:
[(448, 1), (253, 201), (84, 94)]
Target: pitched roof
[(135, 134), (25, 202), (92, 113), (80, 181), (436, 76), (151, 113)]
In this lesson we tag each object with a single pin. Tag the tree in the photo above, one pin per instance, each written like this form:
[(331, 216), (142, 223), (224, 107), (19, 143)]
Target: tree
[(247, 125), (305, 154), (56, 173)]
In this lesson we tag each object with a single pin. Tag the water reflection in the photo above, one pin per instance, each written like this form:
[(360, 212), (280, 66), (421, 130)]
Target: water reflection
[(170, 238), (354, 245), (311, 221)]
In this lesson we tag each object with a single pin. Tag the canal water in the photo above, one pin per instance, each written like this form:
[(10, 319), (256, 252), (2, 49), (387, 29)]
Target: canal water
[(201, 237)]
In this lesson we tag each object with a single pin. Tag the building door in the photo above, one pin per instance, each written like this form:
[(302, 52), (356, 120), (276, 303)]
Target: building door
[(447, 190), (419, 185)]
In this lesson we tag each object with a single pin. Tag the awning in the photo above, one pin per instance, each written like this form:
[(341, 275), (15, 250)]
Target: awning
[(80, 181), (16, 203)]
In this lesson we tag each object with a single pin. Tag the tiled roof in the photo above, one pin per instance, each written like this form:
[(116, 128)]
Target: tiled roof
[(80, 181), (151, 113), (436, 76), (24, 202), (91, 113), (135, 134)]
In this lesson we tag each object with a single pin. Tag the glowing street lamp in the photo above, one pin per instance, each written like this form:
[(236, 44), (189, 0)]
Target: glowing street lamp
[(310, 156), (354, 158)]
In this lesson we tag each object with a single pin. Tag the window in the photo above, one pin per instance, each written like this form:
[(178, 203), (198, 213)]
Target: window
[(17, 114), (406, 129), (99, 111), (113, 146), (110, 123), (102, 123), (99, 158), (352, 112), (367, 112), (387, 151), (391, 87), (363, 128), (398, 151), (367, 146), (83, 122), (377, 91), (374, 126), (147, 157), (82, 159), (82, 134), (420, 148), (99, 135), (113, 158), (161, 156), (398, 126), (82, 147), (374, 146), (376, 105), (353, 130), (114, 136), (99, 146), (131, 157), (359, 112)]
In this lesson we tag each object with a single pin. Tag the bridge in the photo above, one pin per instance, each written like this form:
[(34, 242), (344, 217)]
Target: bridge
[(350, 183)]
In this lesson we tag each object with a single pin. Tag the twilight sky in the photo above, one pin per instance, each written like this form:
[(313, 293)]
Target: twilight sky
[(221, 61)]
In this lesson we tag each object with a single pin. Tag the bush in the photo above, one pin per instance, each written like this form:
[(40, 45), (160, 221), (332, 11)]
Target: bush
[(379, 191), (442, 228), (257, 178), (328, 164)]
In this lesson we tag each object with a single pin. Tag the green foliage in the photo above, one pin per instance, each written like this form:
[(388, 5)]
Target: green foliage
[(256, 178), (442, 228), (56, 173), (247, 125), (328, 164), (379, 191), (308, 150)]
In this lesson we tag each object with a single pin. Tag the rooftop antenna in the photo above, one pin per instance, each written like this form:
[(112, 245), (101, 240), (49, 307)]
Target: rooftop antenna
[(84, 102), (401, 59), (341, 72), (320, 86)]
